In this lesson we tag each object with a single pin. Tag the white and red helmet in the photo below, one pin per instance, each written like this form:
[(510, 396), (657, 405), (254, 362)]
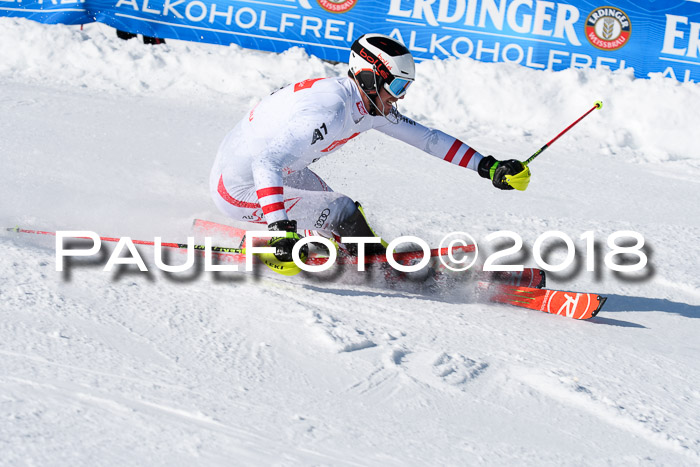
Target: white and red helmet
[(378, 61)]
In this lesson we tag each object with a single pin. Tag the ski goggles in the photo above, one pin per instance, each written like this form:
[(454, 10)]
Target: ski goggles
[(397, 87)]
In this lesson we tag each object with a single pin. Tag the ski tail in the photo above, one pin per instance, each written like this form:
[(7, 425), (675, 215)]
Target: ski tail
[(221, 231)]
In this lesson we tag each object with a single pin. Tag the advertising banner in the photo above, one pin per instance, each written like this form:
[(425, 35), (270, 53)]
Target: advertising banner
[(650, 36), (48, 12)]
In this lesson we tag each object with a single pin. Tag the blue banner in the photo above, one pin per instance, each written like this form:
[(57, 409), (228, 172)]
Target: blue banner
[(651, 36), (49, 11)]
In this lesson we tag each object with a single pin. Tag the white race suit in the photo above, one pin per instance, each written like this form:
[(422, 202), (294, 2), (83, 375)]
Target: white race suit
[(261, 170)]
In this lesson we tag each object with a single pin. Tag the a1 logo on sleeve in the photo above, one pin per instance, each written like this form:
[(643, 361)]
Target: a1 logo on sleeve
[(317, 133)]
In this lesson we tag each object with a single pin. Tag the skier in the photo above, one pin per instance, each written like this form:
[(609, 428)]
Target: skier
[(261, 172)]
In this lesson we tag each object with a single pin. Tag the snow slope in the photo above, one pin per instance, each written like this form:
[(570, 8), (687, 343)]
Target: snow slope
[(195, 368)]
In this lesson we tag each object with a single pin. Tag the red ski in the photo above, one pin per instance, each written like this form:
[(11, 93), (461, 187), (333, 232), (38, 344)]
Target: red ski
[(576, 305)]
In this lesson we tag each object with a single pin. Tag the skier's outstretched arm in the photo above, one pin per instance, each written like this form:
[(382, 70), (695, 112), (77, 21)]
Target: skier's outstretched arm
[(450, 149)]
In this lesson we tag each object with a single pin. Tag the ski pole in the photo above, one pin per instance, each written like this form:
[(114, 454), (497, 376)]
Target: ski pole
[(597, 105), (238, 254), (216, 249), (521, 180)]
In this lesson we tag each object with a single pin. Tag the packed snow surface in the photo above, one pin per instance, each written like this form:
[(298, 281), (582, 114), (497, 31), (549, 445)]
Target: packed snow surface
[(196, 368)]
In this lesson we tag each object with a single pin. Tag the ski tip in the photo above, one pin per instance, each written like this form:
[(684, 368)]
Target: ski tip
[(543, 280), (601, 302)]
